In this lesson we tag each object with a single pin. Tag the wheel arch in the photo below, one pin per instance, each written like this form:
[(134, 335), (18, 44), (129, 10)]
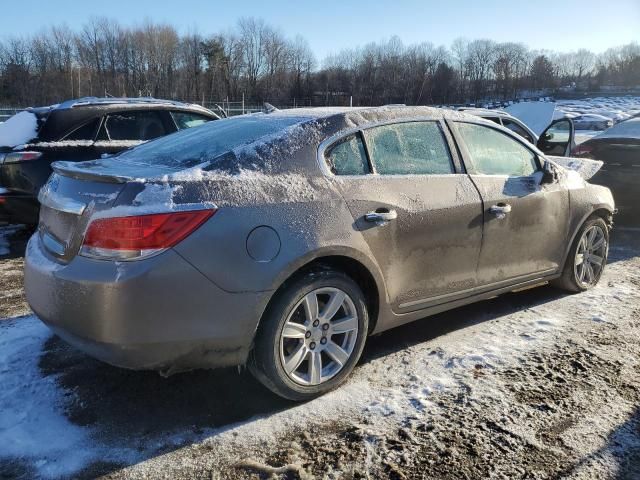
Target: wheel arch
[(352, 264), (603, 211)]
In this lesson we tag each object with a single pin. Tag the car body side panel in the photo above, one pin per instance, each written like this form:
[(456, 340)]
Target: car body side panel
[(585, 199), (531, 237), (432, 247)]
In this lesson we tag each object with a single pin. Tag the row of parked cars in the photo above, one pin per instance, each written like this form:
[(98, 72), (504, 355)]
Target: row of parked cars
[(282, 240)]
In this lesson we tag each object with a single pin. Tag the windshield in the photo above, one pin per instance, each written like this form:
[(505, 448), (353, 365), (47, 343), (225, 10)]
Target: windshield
[(198, 145)]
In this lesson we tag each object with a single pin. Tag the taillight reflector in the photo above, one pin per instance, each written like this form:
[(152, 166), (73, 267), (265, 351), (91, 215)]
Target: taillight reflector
[(142, 233), (582, 150), (15, 157)]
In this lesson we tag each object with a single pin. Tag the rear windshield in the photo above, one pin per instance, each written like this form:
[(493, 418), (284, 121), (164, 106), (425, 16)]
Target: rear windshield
[(627, 129), (201, 144)]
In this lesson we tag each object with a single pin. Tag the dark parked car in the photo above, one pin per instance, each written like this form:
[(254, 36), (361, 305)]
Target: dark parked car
[(557, 139), (78, 130), (284, 239), (619, 149)]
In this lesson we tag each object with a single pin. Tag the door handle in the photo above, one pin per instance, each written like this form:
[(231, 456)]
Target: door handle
[(381, 216), (500, 210)]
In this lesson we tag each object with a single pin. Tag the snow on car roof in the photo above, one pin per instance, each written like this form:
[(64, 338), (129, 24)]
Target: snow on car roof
[(89, 101), (19, 129)]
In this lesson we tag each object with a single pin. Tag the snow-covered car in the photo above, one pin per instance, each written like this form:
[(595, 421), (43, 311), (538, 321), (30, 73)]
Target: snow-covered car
[(619, 149), (283, 240), (78, 130), (592, 121)]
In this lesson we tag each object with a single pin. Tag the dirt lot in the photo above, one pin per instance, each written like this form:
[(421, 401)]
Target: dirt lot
[(535, 384)]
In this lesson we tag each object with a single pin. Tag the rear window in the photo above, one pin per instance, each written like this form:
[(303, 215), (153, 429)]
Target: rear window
[(201, 144), (186, 120), (627, 129)]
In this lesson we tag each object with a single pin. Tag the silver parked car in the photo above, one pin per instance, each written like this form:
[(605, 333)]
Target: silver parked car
[(282, 240)]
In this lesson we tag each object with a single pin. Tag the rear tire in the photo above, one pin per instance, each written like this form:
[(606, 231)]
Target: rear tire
[(587, 257), (312, 336)]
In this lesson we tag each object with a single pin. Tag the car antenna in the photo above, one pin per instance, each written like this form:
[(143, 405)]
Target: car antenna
[(268, 108)]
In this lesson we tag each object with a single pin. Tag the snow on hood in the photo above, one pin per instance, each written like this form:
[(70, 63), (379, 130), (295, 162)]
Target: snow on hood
[(19, 129), (536, 115), (585, 167)]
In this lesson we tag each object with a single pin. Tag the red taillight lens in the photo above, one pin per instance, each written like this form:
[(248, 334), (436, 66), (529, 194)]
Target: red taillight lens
[(582, 150), (15, 157), (136, 236)]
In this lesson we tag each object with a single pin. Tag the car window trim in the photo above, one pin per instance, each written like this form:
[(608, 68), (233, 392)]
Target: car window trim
[(468, 161), (327, 143)]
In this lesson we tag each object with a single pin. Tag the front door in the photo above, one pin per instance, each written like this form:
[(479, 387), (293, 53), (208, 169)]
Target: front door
[(421, 218), (525, 221)]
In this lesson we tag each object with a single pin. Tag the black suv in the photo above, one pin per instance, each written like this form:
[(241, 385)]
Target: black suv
[(78, 130)]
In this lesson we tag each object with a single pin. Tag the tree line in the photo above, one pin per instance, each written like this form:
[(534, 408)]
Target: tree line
[(258, 62)]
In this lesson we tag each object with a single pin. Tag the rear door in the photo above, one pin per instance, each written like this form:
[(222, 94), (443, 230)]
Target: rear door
[(525, 222), (419, 214)]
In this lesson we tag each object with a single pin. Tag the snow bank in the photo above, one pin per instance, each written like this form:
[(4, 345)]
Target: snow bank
[(19, 129), (32, 425)]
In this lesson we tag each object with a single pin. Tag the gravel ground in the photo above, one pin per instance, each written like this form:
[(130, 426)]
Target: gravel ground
[(535, 384)]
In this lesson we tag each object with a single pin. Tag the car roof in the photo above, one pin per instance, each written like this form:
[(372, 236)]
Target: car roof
[(485, 112), (58, 120), (360, 116), (135, 101)]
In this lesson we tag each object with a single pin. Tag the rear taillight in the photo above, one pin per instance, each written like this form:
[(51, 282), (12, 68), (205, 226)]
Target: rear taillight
[(135, 237), (582, 150), (16, 157)]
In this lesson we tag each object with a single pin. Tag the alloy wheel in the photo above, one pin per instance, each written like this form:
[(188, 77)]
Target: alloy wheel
[(590, 256), (319, 336)]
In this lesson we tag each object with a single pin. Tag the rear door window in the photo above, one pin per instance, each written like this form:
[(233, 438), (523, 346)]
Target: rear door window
[(188, 120), (495, 153), (85, 132), (133, 126), (413, 148), (348, 157)]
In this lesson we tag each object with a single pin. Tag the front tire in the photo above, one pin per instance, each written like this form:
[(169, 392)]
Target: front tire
[(312, 336), (587, 257)]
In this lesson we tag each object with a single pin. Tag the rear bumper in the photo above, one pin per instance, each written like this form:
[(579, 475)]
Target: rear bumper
[(159, 313), (18, 208)]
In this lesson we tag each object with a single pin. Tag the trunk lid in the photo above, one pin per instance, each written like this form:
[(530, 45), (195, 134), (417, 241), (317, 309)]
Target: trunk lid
[(67, 204)]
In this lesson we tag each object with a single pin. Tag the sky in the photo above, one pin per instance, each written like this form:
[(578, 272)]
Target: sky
[(330, 25)]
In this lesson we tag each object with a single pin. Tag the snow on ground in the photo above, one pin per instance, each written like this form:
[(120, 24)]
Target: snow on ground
[(535, 384)]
